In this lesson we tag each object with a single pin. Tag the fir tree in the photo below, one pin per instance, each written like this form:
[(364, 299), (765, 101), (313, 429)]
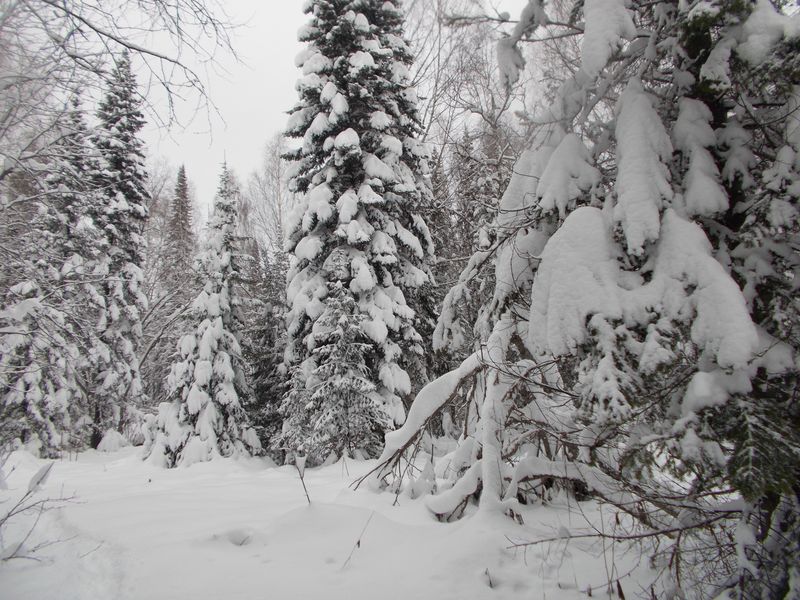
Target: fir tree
[(263, 346), (342, 415), (170, 264), (179, 228), (205, 418), (121, 213), (37, 361), (643, 336), (361, 174), (49, 316)]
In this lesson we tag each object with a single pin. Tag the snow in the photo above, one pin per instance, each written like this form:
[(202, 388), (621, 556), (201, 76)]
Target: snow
[(379, 120), (362, 60), (427, 402), (378, 169), (339, 107), (608, 24), (346, 139), (569, 172), (368, 196), (240, 529), (376, 330), (363, 279), (722, 324), (308, 248), (703, 194), (717, 68), (509, 57), (579, 279), (763, 29), (738, 158), (520, 194), (361, 23), (316, 63), (328, 92), (576, 278), (392, 144), (702, 10), (347, 205), (320, 197), (643, 150), (112, 441)]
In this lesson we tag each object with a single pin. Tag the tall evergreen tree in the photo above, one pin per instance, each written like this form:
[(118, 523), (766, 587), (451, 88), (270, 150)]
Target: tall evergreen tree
[(263, 346), (121, 213), (50, 313), (179, 227), (361, 173), (643, 339), (205, 418), (171, 285)]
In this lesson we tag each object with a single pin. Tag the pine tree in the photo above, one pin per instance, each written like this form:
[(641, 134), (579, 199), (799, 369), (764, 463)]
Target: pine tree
[(342, 414), (642, 342), (121, 213), (205, 418), (263, 346), (179, 228), (171, 285), (361, 174), (49, 316), (37, 363)]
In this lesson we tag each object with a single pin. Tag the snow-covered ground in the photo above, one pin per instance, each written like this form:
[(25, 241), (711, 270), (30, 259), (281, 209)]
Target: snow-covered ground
[(243, 530)]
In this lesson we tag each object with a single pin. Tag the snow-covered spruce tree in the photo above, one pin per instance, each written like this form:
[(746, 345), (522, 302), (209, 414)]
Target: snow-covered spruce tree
[(204, 418), (49, 314), (361, 174), (643, 329), (341, 417), (263, 346), (120, 213)]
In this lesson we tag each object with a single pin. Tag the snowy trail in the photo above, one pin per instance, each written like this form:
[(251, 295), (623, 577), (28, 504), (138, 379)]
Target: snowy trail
[(243, 530)]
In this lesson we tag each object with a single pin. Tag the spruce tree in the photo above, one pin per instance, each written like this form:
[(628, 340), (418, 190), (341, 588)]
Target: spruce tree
[(172, 287), (50, 313), (204, 418), (263, 347), (361, 174), (643, 341), (120, 213), (179, 228), (341, 417)]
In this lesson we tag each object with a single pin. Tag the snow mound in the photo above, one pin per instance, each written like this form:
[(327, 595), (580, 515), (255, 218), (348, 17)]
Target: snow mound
[(112, 441), (237, 536)]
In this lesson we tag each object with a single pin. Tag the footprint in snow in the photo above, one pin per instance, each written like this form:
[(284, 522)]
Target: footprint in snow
[(237, 537)]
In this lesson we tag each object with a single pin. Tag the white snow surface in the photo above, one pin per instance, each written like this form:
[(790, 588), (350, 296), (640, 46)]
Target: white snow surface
[(242, 529)]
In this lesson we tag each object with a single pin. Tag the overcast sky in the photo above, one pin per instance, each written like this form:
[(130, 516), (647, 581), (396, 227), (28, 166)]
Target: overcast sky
[(252, 97)]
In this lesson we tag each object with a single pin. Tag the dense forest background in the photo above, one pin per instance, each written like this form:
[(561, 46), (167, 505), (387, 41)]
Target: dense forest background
[(507, 256)]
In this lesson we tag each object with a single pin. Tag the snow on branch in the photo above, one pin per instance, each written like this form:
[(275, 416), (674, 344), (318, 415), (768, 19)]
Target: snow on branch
[(430, 400)]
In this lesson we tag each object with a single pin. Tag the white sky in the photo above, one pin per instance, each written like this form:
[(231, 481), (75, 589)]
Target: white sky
[(252, 98)]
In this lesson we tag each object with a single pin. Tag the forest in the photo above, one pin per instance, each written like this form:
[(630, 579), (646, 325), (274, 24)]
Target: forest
[(507, 309)]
